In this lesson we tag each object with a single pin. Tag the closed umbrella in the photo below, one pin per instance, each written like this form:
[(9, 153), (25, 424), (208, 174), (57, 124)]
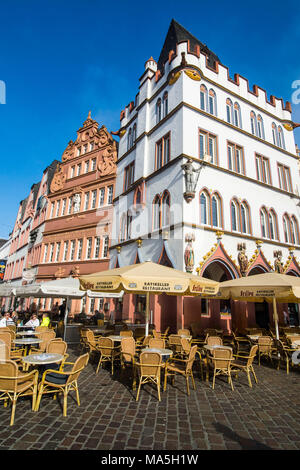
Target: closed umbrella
[(146, 278)]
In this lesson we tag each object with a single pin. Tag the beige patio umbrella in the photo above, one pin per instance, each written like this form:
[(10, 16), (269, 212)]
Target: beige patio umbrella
[(270, 287), (146, 278)]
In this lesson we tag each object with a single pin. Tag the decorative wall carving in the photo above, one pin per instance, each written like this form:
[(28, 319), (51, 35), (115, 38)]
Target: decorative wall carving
[(189, 257), (58, 180), (242, 258)]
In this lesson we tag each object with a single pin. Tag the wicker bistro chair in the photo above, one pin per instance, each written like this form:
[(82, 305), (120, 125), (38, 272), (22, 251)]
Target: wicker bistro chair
[(241, 343), (156, 334), (244, 363), (108, 352), (184, 332), (46, 336), (265, 347), (126, 333), (164, 335), (183, 367), (54, 381), (157, 343), (175, 344), (39, 329), (84, 342), (149, 368), (14, 384), (285, 354), (214, 341), (129, 357), (221, 359), (59, 347), (14, 354), (143, 344)]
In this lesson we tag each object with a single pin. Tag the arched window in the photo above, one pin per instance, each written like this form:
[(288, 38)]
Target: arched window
[(158, 110), (229, 110), (166, 209), (272, 225), (204, 208), (165, 104), (237, 117), (286, 228), (245, 218), (156, 213), (234, 216), (274, 133), (138, 196), (123, 228), (129, 223), (260, 127), (294, 230), (281, 142), (216, 211), (212, 102), (203, 98), (253, 123), (264, 223), (133, 134), (129, 139)]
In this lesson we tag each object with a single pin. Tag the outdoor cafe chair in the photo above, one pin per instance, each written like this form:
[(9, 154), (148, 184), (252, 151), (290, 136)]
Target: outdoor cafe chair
[(108, 352), (183, 367), (221, 359), (149, 368), (241, 343), (284, 353), (156, 334), (184, 331), (157, 343), (62, 381), (244, 363), (84, 345), (175, 344), (14, 384), (15, 354), (214, 341), (164, 335), (144, 343), (41, 328), (45, 336), (126, 333), (129, 357), (265, 348), (57, 346)]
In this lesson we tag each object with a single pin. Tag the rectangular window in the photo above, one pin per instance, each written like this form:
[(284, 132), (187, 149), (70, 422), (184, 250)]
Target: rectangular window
[(93, 164), (86, 166), (208, 146), (63, 209), (110, 194), (78, 151), (263, 172), (72, 250), (79, 249), (52, 210), (129, 176), (89, 248), (78, 169), (57, 208), (85, 147), (66, 246), (105, 246), (57, 252), (51, 252), (70, 204), (97, 247), (94, 198), (92, 146), (284, 174), (235, 158), (45, 254), (72, 172), (101, 197), (162, 152), (86, 201)]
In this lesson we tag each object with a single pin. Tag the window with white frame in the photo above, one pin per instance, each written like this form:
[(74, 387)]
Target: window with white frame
[(57, 252), (97, 247), (63, 209), (51, 252), (78, 169), (237, 117), (72, 174), (57, 208), (204, 208), (70, 204), (86, 166), (263, 172), (235, 158), (93, 164), (78, 151), (89, 248), (66, 246), (45, 254), (92, 145), (101, 197), (52, 210), (284, 176), (207, 145), (110, 190), (94, 199), (85, 147), (105, 246), (79, 249), (229, 111), (72, 250), (86, 201)]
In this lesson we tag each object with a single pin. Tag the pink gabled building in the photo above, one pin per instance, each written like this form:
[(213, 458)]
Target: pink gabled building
[(79, 215)]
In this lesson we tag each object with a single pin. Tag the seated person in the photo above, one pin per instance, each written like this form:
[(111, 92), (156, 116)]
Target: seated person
[(4, 320), (46, 320), (33, 322)]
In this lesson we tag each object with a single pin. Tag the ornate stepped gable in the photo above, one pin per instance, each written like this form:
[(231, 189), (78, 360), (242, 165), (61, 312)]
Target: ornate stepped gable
[(102, 140)]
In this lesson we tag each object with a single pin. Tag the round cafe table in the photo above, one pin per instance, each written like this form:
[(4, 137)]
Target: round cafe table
[(26, 333), (165, 353), (43, 359), (27, 342), (116, 337)]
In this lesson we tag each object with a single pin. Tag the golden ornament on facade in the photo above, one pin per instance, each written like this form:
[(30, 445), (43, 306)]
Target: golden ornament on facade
[(288, 126), (174, 77), (193, 74)]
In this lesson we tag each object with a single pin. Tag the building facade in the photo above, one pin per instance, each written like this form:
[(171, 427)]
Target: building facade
[(78, 225), (207, 182)]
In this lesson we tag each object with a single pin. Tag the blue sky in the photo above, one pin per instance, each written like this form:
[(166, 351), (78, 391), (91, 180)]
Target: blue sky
[(59, 59)]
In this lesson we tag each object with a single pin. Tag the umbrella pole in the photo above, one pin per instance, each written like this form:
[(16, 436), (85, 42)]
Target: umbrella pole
[(66, 316), (147, 313), (275, 315)]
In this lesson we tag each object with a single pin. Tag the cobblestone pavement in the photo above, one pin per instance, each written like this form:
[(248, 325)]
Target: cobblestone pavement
[(264, 417)]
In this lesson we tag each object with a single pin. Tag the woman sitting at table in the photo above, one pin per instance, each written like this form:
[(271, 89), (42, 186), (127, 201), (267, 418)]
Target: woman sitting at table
[(33, 322)]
